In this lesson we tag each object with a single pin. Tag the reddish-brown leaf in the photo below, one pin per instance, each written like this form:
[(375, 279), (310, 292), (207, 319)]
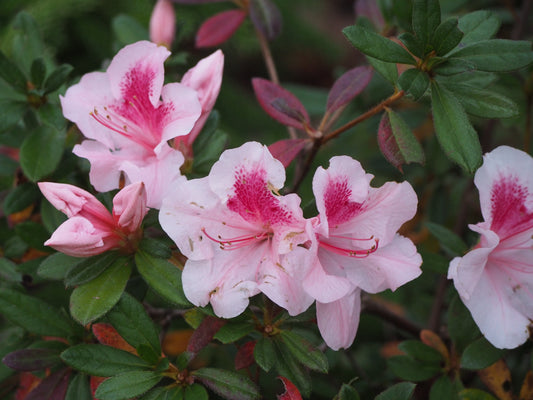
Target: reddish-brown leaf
[(106, 334), (27, 382), (219, 28), (175, 343), (287, 149), (497, 378), (431, 339), (94, 382), (349, 85), (204, 333), (53, 387), (31, 359), (370, 9), (291, 391), (245, 355), (266, 18), (526, 392), (280, 104)]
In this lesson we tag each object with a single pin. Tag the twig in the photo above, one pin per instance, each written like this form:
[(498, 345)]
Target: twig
[(397, 320), (521, 20)]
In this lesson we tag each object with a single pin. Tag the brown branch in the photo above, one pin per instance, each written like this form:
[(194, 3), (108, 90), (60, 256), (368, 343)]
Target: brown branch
[(393, 318)]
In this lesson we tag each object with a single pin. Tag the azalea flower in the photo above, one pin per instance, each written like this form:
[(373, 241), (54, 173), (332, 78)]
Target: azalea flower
[(356, 244), (91, 229), (129, 117), (495, 279), (240, 236), (163, 23)]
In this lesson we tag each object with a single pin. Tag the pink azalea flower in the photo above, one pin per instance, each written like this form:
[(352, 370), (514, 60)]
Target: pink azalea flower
[(495, 279), (163, 23), (357, 245), (91, 229), (240, 235), (129, 116)]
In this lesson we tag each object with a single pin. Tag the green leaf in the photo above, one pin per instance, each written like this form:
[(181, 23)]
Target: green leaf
[(92, 300), (132, 322), (454, 66), (12, 74), (443, 389), (377, 46), (414, 82), (449, 241), (38, 72), (264, 353), (100, 360), (57, 265), (57, 78), (426, 19), (480, 354), (11, 112), (20, 197), (446, 37), (34, 234), (475, 394), (496, 55), (51, 114), (41, 152), (230, 385), (163, 276), (50, 216), (91, 268), (456, 135), (27, 42), (128, 30), (34, 315), (434, 262), (287, 366), (413, 44), (478, 25), (400, 391), (347, 392), (8, 271), (155, 248), (78, 388), (420, 351), (388, 70), (195, 392), (305, 352), (127, 385), (233, 331), (413, 370), (168, 393), (462, 328)]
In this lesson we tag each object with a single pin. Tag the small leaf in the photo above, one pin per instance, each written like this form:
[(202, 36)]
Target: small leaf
[(219, 28), (478, 25), (347, 87), (400, 391), (388, 70), (90, 268), (446, 37), (203, 335), (79, 389), (53, 387), (420, 351), (286, 150), (230, 385), (480, 354), (280, 104), (233, 331), (155, 248), (100, 360), (163, 276), (41, 152), (454, 131), (397, 142), (426, 19), (12, 74), (443, 389), (38, 72), (245, 355), (95, 298), (266, 18), (305, 352), (57, 265), (264, 353), (31, 359), (12, 113), (8, 271), (57, 78), (127, 385), (414, 82), (195, 392), (449, 241), (291, 391), (107, 335), (287, 366), (20, 197), (433, 340), (413, 370), (454, 66), (377, 46), (413, 44), (497, 378), (34, 234), (347, 392)]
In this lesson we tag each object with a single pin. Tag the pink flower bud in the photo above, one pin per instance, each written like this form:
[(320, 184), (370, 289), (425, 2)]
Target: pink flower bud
[(163, 23)]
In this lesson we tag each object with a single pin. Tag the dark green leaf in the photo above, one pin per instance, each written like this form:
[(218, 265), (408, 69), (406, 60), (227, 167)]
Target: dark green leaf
[(8, 166), (167, 393), (57, 78), (128, 30), (155, 248), (446, 37), (478, 25), (132, 322), (288, 367), (195, 392), (31, 359), (456, 135), (50, 216), (20, 197), (426, 19), (413, 370), (231, 332), (449, 241), (163, 276), (11, 112), (12, 74), (91, 268), (420, 351), (41, 152), (38, 72), (388, 70), (443, 389), (400, 391), (230, 385), (414, 82), (480, 354), (51, 114), (413, 44), (33, 234), (127, 385), (377, 46), (264, 353), (454, 66), (305, 352), (496, 55), (475, 394), (461, 326), (79, 389), (27, 42), (57, 265), (434, 262), (347, 392), (100, 360), (92, 300), (34, 315), (8, 271)]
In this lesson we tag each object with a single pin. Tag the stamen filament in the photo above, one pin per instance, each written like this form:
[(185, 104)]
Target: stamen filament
[(349, 252), (237, 242)]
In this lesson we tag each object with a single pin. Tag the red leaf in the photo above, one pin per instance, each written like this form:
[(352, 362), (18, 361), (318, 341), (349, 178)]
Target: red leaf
[(31, 359), (266, 18), (245, 355), (27, 382), (106, 334), (280, 104), (204, 333), (349, 85), (219, 28), (53, 387), (397, 142), (287, 149), (291, 391), (94, 382), (370, 9)]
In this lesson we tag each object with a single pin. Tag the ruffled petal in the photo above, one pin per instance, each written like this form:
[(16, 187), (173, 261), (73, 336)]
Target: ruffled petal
[(129, 205)]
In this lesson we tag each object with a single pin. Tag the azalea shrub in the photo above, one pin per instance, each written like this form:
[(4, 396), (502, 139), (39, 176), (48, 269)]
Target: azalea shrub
[(257, 199)]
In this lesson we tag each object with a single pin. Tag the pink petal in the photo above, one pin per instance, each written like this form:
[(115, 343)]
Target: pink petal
[(326, 288), (338, 321), (129, 205), (163, 23)]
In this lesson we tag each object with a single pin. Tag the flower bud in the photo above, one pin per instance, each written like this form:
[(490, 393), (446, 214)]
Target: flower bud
[(163, 23)]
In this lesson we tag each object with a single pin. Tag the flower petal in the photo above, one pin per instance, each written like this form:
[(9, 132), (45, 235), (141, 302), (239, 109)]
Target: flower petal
[(129, 205)]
